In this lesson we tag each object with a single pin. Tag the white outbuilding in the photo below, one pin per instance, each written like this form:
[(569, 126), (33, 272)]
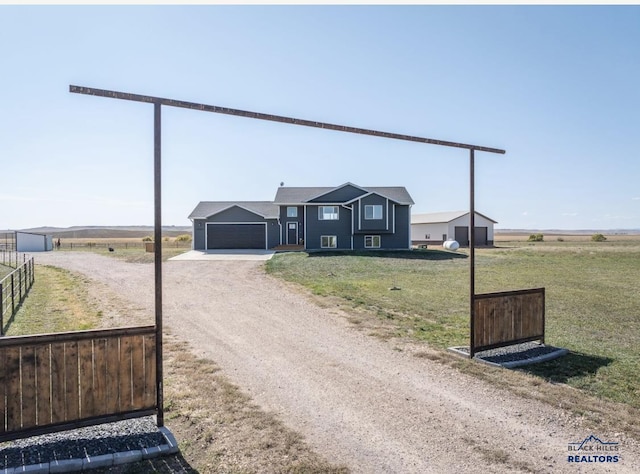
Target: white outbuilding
[(32, 242), (437, 227)]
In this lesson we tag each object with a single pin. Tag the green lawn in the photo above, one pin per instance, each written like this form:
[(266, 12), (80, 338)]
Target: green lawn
[(58, 301), (592, 300)]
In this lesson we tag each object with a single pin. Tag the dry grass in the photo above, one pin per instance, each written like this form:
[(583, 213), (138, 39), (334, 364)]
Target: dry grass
[(220, 429)]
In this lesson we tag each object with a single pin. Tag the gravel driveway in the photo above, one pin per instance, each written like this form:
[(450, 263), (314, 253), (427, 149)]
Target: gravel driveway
[(356, 400)]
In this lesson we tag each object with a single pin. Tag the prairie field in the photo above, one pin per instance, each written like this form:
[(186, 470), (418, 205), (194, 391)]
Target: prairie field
[(592, 299)]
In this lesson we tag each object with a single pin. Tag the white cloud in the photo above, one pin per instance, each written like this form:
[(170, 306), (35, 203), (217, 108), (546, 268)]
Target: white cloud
[(570, 214)]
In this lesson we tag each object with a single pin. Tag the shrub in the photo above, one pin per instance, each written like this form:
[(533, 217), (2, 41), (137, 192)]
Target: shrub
[(167, 239), (536, 238), (598, 238), (148, 238), (183, 238), (560, 239)]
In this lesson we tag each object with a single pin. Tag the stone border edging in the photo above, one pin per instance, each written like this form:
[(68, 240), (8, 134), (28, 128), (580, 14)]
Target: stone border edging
[(102, 460)]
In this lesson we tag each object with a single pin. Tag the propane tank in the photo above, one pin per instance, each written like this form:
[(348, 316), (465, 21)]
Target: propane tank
[(451, 245)]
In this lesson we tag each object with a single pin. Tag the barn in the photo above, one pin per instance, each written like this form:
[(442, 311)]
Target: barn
[(32, 242), (435, 228), (235, 225)]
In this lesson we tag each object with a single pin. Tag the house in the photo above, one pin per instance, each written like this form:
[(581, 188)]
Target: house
[(435, 228), (344, 217)]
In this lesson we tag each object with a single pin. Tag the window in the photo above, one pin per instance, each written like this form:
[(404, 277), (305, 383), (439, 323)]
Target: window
[(373, 211), (372, 241), (328, 213), (328, 241), (292, 212)]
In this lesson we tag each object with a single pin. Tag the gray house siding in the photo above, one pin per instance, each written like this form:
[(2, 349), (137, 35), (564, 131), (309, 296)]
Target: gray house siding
[(343, 194), (385, 224), (398, 235), (316, 228), (198, 234), (285, 221)]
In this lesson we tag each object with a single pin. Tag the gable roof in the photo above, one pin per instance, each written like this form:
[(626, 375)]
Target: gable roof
[(205, 209), (439, 217), (301, 195)]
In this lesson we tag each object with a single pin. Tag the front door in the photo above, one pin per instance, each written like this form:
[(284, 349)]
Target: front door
[(292, 233)]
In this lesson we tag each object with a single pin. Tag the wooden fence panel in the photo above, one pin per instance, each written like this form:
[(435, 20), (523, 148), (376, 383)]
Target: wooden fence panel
[(137, 374), (65, 380), (113, 393), (28, 385), (149, 371), (58, 389), (86, 404), (502, 319), (71, 382), (12, 380), (3, 407), (43, 375), (99, 375), (125, 374)]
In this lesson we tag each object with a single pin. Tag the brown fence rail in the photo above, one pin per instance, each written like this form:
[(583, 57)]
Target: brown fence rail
[(117, 245), (512, 317), (13, 290), (51, 382)]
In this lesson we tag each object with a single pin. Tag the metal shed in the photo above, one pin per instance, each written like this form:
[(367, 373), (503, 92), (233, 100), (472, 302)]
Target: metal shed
[(437, 227), (33, 242)]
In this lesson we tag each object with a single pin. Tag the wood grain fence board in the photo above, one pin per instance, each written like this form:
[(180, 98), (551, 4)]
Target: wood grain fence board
[(14, 396), (58, 386), (43, 376), (125, 374), (28, 386), (74, 379), (112, 389), (72, 389), (85, 361), (149, 371), (502, 319), (3, 386), (137, 372), (100, 377)]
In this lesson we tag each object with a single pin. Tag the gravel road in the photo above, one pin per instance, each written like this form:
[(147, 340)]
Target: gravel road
[(357, 401)]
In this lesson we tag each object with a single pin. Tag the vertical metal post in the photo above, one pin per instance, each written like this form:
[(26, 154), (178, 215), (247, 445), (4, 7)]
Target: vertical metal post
[(157, 155), (13, 295), (472, 251)]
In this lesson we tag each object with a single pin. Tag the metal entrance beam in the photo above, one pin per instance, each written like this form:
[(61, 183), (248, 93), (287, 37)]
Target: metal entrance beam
[(273, 118)]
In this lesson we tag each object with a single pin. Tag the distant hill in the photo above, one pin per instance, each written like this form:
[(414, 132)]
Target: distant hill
[(95, 232), (570, 231)]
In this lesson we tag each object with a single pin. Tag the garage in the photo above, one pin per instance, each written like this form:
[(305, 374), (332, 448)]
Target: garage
[(236, 236), (430, 228)]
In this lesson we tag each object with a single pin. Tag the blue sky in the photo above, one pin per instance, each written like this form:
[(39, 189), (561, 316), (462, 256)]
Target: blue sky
[(555, 86)]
